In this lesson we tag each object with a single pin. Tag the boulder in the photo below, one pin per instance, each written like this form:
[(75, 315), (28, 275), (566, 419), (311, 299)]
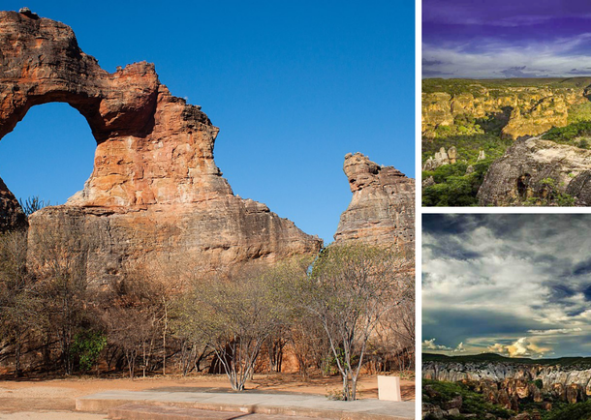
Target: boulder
[(534, 168)]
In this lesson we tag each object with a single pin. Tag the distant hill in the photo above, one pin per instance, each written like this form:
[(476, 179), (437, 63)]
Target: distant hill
[(457, 86), (493, 357)]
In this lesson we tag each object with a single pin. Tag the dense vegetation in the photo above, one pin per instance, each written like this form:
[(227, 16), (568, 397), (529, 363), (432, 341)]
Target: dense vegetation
[(437, 393), (453, 186), (170, 317), (475, 406), (458, 86), (576, 134), (458, 184)]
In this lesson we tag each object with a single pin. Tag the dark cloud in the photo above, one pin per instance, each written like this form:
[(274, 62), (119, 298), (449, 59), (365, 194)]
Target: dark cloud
[(561, 291), (451, 223), (583, 268), (518, 72), (584, 72), (502, 12), (456, 326), (456, 251), (495, 278), (427, 63), (435, 73)]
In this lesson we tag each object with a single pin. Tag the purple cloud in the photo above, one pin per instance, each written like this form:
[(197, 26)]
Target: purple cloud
[(466, 38)]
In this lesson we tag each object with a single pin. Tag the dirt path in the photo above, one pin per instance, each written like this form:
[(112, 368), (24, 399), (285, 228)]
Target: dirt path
[(29, 398)]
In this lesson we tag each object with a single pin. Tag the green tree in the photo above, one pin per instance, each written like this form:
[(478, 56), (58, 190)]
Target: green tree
[(87, 348)]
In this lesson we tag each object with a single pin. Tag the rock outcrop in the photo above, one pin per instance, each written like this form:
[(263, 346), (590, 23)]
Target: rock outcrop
[(513, 386), (524, 111), (382, 210), (11, 214), (155, 190), (537, 169), (502, 383)]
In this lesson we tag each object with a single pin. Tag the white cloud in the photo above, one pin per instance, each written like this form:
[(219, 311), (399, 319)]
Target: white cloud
[(487, 58), (555, 331), (523, 347), (459, 349), (430, 345)]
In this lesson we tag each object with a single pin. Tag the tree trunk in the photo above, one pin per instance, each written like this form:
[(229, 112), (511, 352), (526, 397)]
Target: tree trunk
[(17, 356), (164, 340), (346, 395)]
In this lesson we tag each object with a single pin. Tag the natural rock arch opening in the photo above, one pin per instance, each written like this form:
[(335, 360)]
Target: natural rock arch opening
[(155, 192), (49, 154)]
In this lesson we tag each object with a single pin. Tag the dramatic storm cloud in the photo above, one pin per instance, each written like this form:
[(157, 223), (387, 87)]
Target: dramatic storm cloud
[(506, 38), (518, 285)]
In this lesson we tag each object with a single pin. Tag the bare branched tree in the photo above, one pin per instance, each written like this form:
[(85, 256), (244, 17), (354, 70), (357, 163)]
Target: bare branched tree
[(349, 290), (61, 277), (20, 306), (236, 316), (32, 204)]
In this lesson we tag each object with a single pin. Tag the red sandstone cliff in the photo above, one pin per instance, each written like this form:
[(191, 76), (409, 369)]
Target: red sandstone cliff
[(155, 190)]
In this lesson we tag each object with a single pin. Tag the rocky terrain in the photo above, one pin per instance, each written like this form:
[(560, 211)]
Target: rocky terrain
[(506, 142), (155, 187), (517, 385), (536, 168), (527, 110), (382, 210)]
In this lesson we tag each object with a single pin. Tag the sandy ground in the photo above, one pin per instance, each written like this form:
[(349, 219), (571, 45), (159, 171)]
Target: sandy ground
[(56, 399)]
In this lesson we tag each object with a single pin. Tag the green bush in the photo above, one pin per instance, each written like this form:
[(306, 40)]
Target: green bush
[(472, 402), (565, 135), (87, 348), (579, 411), (579, 113), (453, 187)]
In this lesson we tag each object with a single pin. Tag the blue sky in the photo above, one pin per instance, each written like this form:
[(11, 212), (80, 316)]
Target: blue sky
[(513, 284), (293, 86), (506, 38)]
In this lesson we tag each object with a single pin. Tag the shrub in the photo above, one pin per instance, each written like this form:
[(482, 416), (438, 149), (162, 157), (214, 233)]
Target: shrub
[(87, 348)]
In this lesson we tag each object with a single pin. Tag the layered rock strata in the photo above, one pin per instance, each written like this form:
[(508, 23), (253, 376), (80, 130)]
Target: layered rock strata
[(382, 210), (534, 168), (155, 190)]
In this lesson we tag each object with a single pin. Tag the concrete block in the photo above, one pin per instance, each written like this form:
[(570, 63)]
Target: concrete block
[(389, 388)]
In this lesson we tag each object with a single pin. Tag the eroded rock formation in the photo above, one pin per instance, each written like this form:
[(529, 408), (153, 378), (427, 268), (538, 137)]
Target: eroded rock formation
[(499, 380), (525, 111), (538, 169), (382, 210), (155, 189)]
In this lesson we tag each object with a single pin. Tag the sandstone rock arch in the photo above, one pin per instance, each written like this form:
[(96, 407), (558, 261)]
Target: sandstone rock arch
[(155, 188)]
